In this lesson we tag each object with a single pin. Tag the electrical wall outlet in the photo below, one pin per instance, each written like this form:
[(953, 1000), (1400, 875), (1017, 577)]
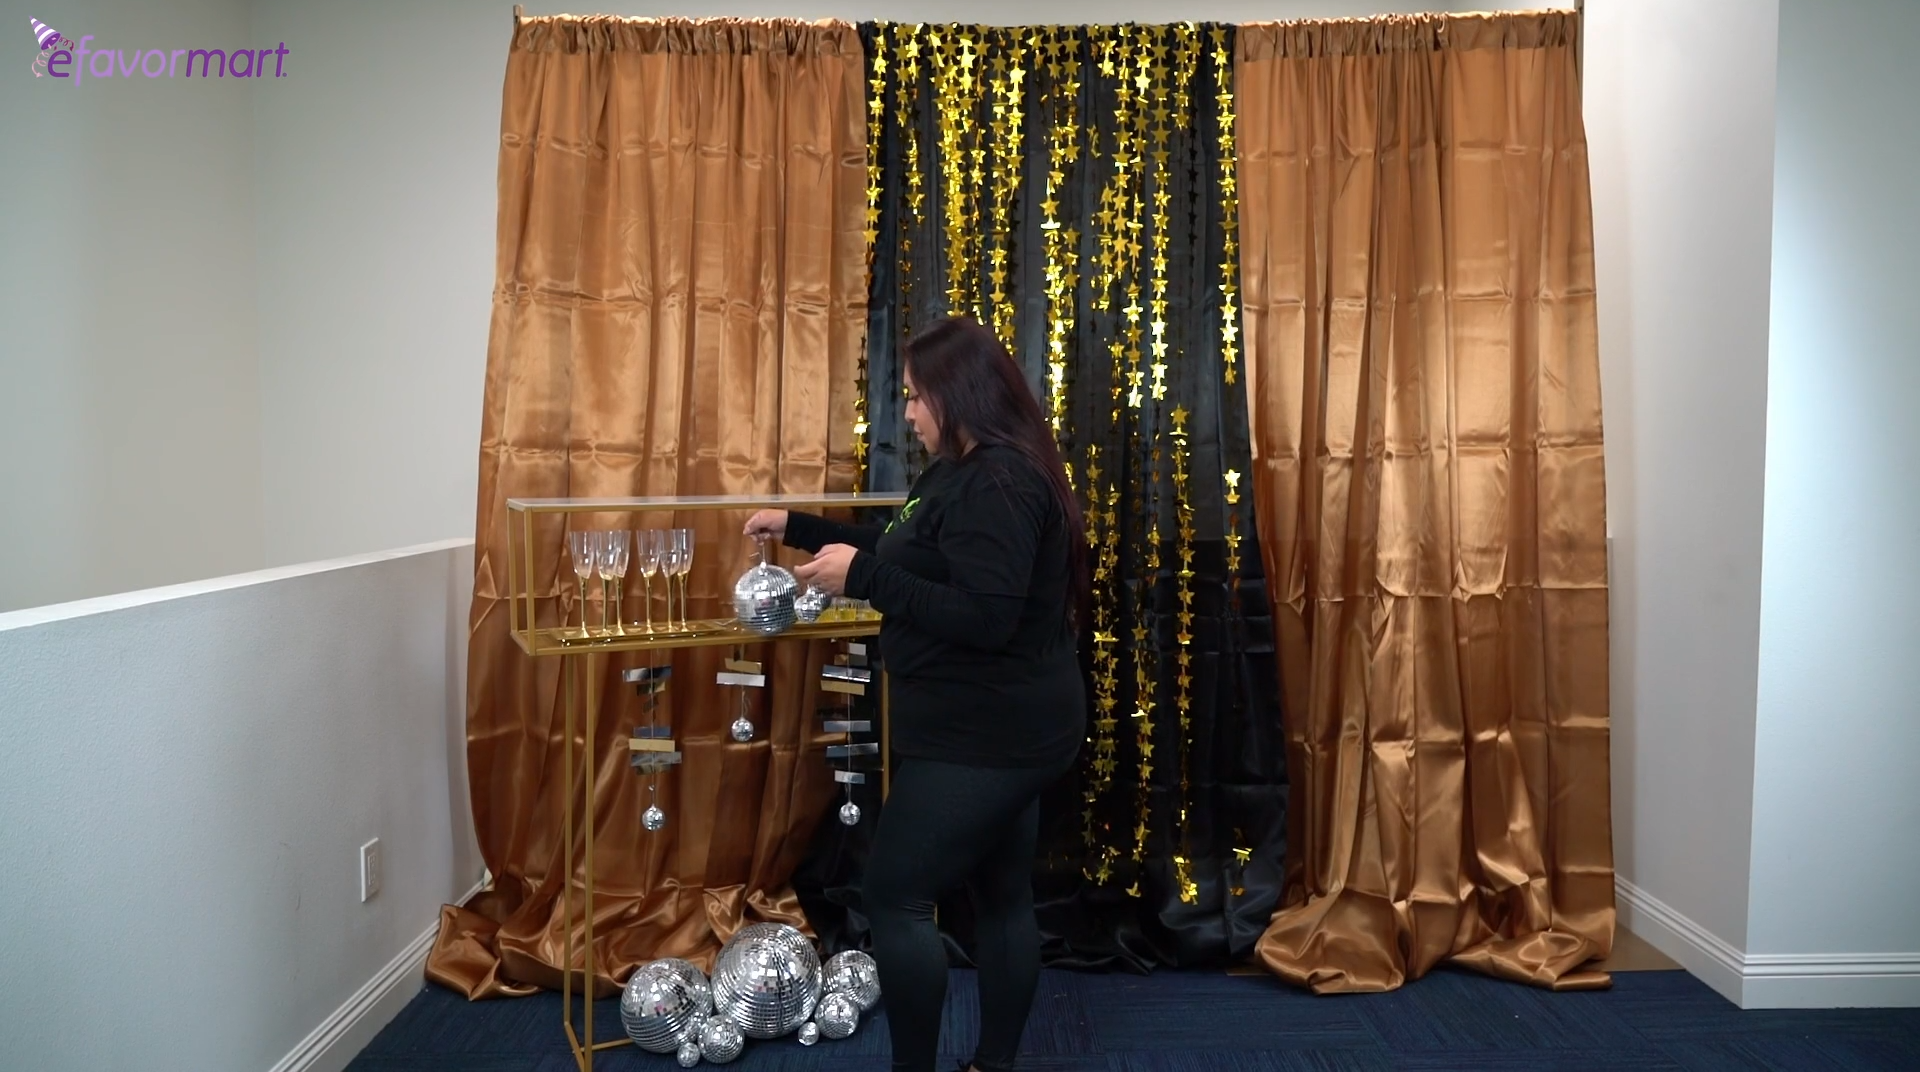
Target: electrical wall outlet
[(370, 870)]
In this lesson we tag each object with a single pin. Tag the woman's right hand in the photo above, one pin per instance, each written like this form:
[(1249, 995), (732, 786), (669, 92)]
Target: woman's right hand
[(768, 523)]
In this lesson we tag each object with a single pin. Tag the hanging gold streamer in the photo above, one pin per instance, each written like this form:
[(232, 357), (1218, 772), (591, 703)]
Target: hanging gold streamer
[(977, 81), (1229, 285), (906, 45), (876, 172), (1183, 682)]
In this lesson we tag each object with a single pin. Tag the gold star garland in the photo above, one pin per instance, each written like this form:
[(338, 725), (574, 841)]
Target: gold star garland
[(876, 175), (1229, 285), (1062, 244), (1183, 682), (1009, 141), (906, 45), (977, 80)]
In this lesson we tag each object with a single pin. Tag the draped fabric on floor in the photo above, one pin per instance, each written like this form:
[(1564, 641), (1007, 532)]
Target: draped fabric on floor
[(1424, 390), (679, 305), (1071, 187)]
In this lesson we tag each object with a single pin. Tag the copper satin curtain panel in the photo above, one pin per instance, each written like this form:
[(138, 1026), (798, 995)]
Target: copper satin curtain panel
[(1423, 380), (679, 307)]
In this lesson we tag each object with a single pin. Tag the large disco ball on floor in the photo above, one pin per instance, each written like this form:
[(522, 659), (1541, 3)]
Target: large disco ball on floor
[(767, 980), (664, 1004)]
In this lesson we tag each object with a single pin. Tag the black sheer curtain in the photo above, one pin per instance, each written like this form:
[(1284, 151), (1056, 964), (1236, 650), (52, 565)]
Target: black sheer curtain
[(1071, 187)]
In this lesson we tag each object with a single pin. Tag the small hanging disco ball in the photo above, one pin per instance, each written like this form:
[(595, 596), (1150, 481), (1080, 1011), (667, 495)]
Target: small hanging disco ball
[(653, 818), (850, 814), (742, 729)]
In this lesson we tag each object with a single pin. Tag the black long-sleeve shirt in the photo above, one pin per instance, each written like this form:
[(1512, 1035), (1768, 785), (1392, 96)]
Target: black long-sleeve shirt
[(972, 578)]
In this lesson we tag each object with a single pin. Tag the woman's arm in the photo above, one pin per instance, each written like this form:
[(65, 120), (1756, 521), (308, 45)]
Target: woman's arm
[(810, 533), (990, 538)]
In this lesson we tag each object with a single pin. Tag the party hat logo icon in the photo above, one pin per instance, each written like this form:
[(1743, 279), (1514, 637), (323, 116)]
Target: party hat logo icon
[(43, 35), (46, 37)]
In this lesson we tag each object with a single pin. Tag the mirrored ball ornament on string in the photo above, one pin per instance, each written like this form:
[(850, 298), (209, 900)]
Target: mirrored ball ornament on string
[(850, 814), (854, 974), (653, 818), (763, 597), (767, 980), (663, 1004), (742, 729)]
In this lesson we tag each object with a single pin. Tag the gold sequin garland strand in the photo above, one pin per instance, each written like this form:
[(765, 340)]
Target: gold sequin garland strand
[(1229, 341), (1009, 147), (1137, 72), (876, 171), (1183, 683), (1229, 285), (906, 45), (944, 55)]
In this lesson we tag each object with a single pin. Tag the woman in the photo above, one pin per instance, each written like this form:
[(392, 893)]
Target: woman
[(978, 578)]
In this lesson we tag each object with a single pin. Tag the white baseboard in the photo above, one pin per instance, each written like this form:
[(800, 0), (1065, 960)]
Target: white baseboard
[(1710, 958), (1832, 981), (341, 1036), (1771, 980)]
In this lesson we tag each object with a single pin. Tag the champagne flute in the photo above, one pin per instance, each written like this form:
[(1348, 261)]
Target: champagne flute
[(613, 568), (581, 547), (663, 549), (646, 556), (683, 566)]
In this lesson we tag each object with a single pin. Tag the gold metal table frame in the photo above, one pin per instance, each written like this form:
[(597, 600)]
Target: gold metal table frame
[(580, 693)]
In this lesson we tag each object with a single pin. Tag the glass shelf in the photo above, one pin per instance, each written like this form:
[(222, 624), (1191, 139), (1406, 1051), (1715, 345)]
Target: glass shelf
[(675, 504), (536, 540), (709, 633)]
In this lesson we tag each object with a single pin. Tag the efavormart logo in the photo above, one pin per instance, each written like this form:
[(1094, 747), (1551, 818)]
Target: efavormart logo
[(62, 57)]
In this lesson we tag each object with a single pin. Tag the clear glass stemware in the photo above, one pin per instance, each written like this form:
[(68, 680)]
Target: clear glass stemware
[(583, 548), (646, 556), (613, 569), (682, 566)]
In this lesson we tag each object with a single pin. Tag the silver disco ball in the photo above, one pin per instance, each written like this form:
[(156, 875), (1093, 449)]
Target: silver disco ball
[(810, 604), (767, 980), (809, 1033), (742, 729), (653, 818), (763, 599), (837, 1015), (663, 1004), (854, 974), (850, 814), (721, 1040), (689, 1054)]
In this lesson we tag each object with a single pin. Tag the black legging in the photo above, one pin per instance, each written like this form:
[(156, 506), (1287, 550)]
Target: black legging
[(944, 825)]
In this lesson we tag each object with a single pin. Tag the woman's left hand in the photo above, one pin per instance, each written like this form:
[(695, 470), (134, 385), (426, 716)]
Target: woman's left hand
[(828, 570)]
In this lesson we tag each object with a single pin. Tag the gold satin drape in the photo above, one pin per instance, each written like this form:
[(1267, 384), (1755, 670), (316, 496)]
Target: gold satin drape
[(679, 308), (1423, 386)]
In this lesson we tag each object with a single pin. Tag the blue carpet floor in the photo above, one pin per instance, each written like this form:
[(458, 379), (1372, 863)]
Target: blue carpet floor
[(1209, 1022)]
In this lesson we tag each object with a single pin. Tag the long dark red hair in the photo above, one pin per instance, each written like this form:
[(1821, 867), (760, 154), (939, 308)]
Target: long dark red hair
[(977, 394)]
